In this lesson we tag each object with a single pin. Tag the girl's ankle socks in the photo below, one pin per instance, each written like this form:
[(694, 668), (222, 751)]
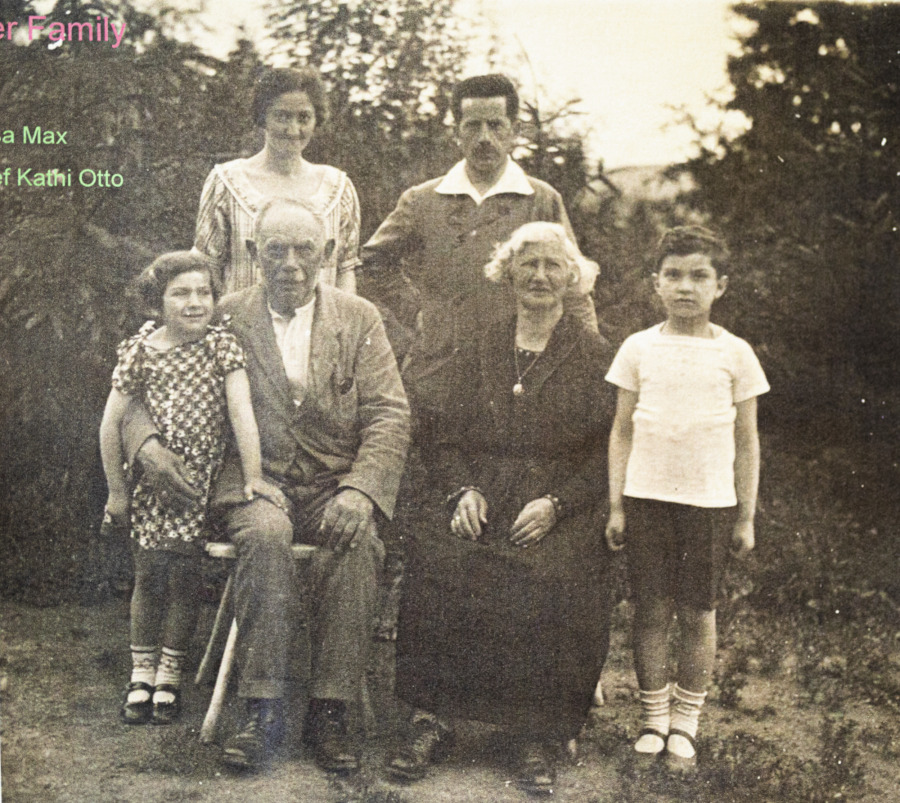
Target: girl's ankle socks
[(168, 673), (143, 670)]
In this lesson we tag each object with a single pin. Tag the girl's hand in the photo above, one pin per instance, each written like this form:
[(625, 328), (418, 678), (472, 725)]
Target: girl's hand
[(257, 486), (118, 506), (615, 530), (533, 523), (469, 516)]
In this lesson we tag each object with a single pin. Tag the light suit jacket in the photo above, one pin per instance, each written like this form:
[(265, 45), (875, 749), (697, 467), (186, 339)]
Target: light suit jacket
[(353, 423)]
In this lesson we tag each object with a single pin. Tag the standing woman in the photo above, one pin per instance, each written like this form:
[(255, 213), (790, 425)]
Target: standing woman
[(288, 105), (505, 610)]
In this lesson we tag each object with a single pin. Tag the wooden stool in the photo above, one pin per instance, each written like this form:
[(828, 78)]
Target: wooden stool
[(223, 615)]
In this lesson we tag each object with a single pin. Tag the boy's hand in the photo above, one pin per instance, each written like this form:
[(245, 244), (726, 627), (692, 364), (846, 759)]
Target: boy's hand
[(615, 530), (743, 538), (257, 486)]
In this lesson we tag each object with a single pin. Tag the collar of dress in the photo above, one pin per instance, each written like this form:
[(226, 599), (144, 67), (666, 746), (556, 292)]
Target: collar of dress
[(513, 180)]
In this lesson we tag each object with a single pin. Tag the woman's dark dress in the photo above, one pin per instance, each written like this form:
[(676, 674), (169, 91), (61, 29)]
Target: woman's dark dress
[(488, 630)]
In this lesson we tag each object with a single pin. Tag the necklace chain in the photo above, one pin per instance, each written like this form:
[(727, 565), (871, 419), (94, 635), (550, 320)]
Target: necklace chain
[(519, 388)]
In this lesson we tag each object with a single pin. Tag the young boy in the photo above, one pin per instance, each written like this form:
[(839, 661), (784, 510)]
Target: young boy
[(683, 476)]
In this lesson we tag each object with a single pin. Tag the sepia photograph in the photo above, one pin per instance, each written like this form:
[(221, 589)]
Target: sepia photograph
[(349, 349)]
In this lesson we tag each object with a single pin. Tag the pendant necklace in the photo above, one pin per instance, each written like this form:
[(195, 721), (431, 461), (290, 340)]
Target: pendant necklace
[(518, 388)]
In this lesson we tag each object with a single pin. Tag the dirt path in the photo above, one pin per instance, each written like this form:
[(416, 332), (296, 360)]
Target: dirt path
[(61, 740)]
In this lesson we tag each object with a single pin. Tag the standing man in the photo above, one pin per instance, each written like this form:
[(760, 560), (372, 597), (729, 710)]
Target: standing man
[(425, 263), (334, 429)]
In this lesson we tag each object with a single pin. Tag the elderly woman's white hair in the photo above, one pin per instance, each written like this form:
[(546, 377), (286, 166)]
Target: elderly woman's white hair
[(584, 270)]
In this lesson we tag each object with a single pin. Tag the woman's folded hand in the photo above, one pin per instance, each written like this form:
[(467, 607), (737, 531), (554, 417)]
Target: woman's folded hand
[(470, 515), (533, 523)]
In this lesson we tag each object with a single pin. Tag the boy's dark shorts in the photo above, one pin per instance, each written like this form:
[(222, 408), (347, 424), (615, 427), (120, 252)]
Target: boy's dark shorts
[(677, 551)]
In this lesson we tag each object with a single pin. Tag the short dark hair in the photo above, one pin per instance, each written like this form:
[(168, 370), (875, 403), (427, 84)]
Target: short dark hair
[(486, 86), (684, 240), (271, 84), (154, 279)]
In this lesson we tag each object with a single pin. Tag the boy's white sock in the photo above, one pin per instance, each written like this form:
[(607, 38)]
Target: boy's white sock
[(169, 672), (143, 670), (685, 717), (654, 720)]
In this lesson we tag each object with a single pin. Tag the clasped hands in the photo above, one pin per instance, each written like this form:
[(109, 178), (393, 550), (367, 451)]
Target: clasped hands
[(534, 521)]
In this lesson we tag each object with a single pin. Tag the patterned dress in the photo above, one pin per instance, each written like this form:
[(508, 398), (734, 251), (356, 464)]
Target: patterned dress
[(183, 389), (228, 207)]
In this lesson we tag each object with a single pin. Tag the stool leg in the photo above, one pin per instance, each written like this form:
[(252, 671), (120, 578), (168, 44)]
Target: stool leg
[(366, 709), (208, 729), (223, 616)]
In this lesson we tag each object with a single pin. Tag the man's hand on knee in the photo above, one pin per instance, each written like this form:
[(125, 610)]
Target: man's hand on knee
[(348, 518), (166, 473)]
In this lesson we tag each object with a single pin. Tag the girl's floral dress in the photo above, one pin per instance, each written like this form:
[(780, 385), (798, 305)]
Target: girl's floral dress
[(183, 389)]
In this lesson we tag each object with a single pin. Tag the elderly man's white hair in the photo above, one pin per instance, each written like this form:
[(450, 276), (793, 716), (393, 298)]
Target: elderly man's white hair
[(584, 270), (297, 203)]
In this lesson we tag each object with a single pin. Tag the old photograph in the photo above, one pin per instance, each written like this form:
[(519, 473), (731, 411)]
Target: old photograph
[(409, 401)]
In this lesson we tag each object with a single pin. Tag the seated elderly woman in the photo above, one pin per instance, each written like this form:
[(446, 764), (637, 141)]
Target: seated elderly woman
[(505, 610), (289, 106)]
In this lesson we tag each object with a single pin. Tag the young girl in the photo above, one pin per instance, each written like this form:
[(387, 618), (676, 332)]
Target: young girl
[(189, 375)]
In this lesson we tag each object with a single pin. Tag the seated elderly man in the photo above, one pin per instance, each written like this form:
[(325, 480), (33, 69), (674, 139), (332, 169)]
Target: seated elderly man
[(334, 428)]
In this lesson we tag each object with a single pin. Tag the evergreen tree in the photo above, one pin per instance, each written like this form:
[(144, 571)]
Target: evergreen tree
[(809, 196)]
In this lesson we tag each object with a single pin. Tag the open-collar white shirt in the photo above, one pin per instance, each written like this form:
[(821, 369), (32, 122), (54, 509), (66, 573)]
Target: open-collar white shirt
[(293, 336), (512, 180)]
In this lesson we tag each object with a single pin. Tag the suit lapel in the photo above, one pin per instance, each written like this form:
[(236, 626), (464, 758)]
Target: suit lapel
[(259, 339), (325, 346)]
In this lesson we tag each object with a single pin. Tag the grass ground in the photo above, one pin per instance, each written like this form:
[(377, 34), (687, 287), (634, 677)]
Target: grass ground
[(804, 708)]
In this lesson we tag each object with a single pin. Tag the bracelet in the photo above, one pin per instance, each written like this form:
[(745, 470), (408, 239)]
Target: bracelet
[(557, 507), (455, 496)]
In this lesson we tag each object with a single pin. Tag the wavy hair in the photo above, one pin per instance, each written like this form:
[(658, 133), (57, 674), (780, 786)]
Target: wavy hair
[(584, 270), (271, 84)]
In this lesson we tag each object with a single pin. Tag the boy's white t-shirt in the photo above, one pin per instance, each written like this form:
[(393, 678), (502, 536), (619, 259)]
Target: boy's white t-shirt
[(683, 438)]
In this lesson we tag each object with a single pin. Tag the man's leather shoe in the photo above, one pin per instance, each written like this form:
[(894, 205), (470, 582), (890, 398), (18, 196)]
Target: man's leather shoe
[(536, 774), (258, 737), (427, 742), (325, 730)]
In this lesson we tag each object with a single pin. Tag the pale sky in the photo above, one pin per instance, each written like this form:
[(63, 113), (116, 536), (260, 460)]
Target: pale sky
[(629, 60)]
